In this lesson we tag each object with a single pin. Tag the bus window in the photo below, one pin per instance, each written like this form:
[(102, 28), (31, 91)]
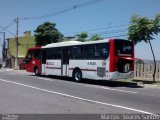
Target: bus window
[(89, 51), (123, 48), (29, 54), (48, 53), (37, 54), (76, 52), (43, 56), (53, 53), (102, 51)]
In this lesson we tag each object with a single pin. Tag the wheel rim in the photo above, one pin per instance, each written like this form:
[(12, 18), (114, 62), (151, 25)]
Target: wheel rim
[(77, 76), (36, 71)]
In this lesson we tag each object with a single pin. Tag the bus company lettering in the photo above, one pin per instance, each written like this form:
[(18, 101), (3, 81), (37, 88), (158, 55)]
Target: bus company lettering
[(50, 63), (91, 63)]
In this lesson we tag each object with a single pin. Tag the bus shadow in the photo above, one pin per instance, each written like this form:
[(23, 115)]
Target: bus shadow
[(99, 82), (112, 83)]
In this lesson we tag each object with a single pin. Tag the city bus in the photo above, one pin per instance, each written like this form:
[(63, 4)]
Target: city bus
[(108, 59)]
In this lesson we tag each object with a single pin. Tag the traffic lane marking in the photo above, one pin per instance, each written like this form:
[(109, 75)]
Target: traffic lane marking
[(79, 98), (112, 89), (95, 86), (101, 87), (126, 91), (45, 79)]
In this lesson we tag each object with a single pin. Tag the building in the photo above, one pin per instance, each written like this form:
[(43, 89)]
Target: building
[(24, 43)]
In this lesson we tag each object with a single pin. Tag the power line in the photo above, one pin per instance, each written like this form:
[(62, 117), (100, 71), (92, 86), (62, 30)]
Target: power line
[(87, 30), (119, 26), (116, 31), (106, 32), (102, 28), (116, 36), (8, 31), (10, 24), (64, 10)]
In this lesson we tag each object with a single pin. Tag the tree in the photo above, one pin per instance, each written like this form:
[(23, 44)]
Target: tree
[(82, 36), (47, 33), (95, 37), (144, 29)]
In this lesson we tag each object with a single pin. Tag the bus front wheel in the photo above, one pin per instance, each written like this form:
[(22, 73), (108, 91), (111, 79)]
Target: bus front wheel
[(36, 71), (77, 75)]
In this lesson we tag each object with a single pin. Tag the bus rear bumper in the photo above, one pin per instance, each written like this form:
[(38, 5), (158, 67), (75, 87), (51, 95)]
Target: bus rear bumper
[(118, 75)]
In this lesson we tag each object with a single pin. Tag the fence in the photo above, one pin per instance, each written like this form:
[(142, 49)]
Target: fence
[(144, 71)]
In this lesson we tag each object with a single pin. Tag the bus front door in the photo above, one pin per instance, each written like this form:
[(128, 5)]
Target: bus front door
[(65, 62)]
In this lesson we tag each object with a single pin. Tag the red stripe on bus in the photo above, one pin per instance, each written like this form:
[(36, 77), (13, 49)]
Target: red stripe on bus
[(53, 67), (84, 69), (88, 70)]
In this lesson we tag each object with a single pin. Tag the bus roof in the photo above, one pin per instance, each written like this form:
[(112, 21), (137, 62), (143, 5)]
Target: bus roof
[(72, 43)]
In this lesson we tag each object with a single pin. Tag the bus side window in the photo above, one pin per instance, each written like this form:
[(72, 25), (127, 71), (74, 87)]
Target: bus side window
[(37, 54), (57, 53), (89, 52), (76, 52), (105, 51), (102, 51), (43, 56)]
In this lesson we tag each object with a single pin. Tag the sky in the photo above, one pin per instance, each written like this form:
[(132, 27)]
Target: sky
[(108, 18)]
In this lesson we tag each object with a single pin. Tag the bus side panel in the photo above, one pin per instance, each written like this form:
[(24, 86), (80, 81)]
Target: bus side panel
[(91, 69), (33, 59), (32, 64), (52, 67), (43, 69), (29, 67)]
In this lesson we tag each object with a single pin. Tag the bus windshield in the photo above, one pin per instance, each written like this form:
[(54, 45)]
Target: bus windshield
[(124, 48), (29, 54)]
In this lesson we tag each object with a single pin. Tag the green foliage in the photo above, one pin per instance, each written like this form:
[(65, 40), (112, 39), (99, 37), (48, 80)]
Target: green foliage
[(95, 37), (143, 29), (82, 36), (47, 33)]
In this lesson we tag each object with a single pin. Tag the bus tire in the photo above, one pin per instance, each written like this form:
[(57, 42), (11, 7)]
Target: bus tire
[(36, 71), (77, 75)]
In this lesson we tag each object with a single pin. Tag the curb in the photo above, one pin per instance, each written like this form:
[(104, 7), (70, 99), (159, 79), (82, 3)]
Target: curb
[(148, 85)]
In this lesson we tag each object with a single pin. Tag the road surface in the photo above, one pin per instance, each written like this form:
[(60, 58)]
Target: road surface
[(24, 93)]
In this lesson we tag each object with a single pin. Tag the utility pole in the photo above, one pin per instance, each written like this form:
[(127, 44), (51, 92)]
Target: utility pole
[(16, 57), (4, 47)]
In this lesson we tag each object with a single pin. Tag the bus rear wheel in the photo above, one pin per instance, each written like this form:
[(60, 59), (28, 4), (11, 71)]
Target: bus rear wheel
[(77, 75)]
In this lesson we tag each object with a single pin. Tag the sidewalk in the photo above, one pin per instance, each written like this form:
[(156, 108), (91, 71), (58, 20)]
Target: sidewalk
[(150, 84), (5, 69), (143, 83)]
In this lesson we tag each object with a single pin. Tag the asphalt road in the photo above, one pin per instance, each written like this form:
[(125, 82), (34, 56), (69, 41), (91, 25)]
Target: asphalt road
[(24, 93)]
